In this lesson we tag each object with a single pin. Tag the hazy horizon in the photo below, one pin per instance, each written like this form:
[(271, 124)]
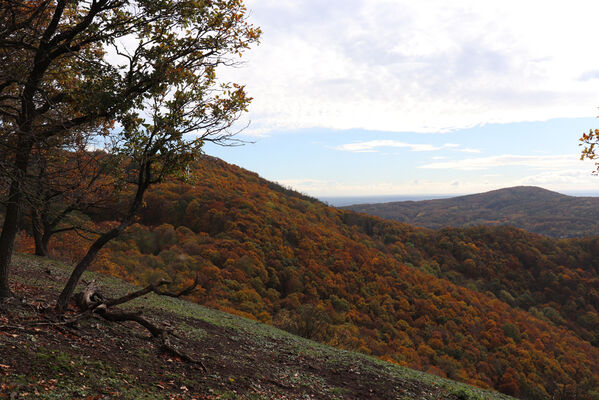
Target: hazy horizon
[(341, 201)]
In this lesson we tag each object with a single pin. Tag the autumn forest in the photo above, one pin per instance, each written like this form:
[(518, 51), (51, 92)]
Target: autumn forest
[(106, 108), (496, 307)]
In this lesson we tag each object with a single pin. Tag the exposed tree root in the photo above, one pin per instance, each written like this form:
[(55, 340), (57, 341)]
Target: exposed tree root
[(91, 301)]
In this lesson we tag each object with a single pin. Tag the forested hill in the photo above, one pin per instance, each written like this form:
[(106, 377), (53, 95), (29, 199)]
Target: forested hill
[(527, 207), (494, 307)]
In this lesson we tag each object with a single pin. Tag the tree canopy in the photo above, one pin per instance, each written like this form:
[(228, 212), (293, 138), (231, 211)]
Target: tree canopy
[(590, 141), (138, 78)]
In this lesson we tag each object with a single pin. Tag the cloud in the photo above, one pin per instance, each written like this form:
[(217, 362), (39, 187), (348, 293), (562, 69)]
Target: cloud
[(418, 66), (549, 162), (469, 150), (571, 178), (372, 145), (588, 75), (578, 177), (317, 187)]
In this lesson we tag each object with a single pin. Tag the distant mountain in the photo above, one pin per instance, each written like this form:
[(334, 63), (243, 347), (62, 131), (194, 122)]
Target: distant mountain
[(527, 207)]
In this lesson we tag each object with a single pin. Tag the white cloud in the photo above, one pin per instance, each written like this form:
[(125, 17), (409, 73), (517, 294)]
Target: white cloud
[(316, 187), (570, 178), (588, 75), (371, 146), (469, 150), (567, 179), (548, 162), (419, 66)]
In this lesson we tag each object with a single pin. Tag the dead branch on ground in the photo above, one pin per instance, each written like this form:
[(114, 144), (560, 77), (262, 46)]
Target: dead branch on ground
[(91, 300), (91, 303)]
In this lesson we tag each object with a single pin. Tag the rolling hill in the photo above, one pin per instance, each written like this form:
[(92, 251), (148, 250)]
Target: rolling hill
[(530, 208), (495, 307)]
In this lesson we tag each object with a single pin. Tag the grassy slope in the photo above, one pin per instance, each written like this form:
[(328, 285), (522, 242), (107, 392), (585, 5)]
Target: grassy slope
[(531, 208), (245, 359)]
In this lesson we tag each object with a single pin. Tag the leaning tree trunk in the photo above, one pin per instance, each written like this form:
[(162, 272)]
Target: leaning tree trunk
[(144, 179), (83, 265)]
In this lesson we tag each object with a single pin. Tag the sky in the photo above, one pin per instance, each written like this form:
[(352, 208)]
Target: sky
[(397, 97)]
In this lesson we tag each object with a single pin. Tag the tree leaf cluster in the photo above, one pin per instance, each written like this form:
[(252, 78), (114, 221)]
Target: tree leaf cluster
[(133, 78)]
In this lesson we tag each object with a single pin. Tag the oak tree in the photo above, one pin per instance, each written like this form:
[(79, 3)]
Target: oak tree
[(76, 65), (67, 185)]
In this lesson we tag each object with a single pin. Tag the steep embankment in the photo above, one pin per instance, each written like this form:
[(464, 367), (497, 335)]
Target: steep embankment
[(530, 208), (362, 283)]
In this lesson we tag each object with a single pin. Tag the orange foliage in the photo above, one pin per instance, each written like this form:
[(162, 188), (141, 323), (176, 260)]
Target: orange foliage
[(362, 283)]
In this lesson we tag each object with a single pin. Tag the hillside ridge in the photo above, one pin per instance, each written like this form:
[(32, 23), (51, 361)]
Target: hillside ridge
[(530, 208)]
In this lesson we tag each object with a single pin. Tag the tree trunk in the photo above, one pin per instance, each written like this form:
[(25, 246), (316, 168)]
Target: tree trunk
[(44, 245), (24, 145), (13, 211), (40, 249), (144, 179), (83, 265), (39, 237), (7, 238)]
